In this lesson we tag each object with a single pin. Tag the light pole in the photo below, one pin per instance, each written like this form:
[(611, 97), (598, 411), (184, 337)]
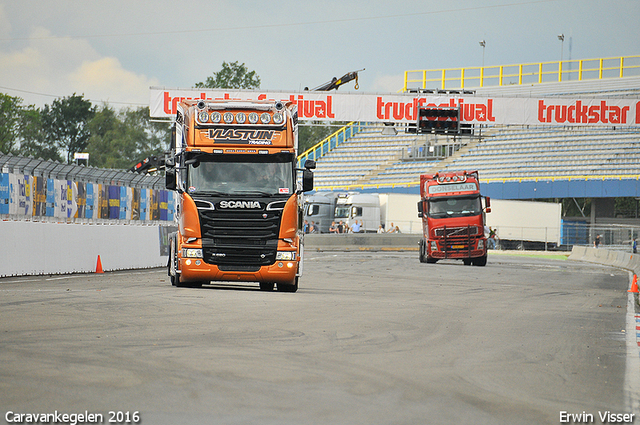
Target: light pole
[(561, 38), (483, 44)]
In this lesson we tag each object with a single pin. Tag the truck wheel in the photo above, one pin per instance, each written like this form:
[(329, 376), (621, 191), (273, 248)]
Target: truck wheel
[(288, 287), (480, 261), (421, 249), (173, 263), (266, 286)]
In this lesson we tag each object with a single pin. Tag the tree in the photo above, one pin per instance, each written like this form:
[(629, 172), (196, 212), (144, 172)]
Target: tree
[(10, 113), (33, 140), (65, 124), (232, 76), (120, 139), (314, 132)]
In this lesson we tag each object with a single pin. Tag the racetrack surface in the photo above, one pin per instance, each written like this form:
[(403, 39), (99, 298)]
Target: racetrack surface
[(369, 338)]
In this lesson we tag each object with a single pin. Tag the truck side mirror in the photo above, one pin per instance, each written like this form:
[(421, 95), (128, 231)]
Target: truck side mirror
[(307, 180), (170, 178), (420, 212), (310, 164), (487, 202)]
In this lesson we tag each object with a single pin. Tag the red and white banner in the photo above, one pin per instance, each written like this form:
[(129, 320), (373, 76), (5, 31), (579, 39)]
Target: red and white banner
[(334, 106)]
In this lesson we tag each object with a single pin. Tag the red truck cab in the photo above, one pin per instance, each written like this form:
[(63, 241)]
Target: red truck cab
[(453, 218)]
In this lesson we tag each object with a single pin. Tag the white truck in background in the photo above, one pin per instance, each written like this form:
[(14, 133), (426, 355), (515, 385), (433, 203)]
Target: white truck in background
[(530, 225), (365, 208), (320, 208)]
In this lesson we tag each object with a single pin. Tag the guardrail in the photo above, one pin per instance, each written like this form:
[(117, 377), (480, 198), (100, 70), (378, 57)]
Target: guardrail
[(329, 143), (527, 73)]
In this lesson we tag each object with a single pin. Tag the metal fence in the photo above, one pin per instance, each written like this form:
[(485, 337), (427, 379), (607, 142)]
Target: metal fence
[(42, 190), (519, 74)]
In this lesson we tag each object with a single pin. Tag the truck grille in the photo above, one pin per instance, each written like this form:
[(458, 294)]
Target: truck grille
[(454, 232), (240, 237)]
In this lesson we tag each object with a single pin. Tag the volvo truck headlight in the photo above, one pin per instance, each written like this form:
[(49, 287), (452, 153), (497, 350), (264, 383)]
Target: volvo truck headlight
[(286, 255), (480, 243), (192, 252), (434, 246)]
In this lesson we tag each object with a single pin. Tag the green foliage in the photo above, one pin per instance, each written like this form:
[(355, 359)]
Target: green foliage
[(9, 122), (65, 124), (120, 139), (33, 139), (232, 76), (313, 132), (114, 139)]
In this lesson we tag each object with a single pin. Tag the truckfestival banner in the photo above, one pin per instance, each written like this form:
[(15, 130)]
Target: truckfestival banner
[(334, 106)]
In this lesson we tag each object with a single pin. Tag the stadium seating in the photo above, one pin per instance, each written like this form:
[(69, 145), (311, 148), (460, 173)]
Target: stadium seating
[(370, 158)]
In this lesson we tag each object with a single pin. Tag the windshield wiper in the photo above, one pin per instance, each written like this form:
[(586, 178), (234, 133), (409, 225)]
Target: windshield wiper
[(254, 192), (209, 192)]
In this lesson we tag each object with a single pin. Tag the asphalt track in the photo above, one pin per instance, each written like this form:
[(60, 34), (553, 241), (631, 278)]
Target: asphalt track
[(369, 338)]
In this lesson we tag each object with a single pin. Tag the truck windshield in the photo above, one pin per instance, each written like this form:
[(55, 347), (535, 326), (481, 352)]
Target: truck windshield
[(343, 211), (241, 177), (454, 207)]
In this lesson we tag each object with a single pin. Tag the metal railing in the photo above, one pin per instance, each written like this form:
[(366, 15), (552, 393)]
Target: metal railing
[(329, 143), (527, 73)]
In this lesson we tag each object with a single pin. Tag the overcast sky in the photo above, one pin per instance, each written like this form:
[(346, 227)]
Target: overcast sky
[(112, 51)]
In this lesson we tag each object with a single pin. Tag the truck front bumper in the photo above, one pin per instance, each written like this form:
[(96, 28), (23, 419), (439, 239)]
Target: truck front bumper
[(192, 270), (457, 249)]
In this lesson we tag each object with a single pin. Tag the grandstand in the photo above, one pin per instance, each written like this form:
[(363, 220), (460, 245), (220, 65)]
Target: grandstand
[(384, 159)]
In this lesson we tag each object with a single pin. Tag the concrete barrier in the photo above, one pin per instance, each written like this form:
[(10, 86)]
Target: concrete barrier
[(37, 248), (623, 260), (362, 242)]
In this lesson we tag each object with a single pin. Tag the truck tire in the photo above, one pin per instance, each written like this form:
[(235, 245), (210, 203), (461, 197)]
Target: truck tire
[(288, 287), (421, 250), (480, 261), (467, 261), (266, 286)]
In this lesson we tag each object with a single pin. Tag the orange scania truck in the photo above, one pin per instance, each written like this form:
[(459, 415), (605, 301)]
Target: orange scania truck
[(233, 166), (453, 218)]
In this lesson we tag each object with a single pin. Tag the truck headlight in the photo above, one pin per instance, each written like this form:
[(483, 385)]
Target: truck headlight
[(480, 243), (203, 116), (192, 253), (286, 255), (434, 246)]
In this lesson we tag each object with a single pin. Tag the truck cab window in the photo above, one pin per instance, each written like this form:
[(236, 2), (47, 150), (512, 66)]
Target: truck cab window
[(455, 207), (269, 178)]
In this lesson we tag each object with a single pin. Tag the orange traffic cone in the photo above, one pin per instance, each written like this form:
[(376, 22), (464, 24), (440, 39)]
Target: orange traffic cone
[(634, 284), (99, 267)]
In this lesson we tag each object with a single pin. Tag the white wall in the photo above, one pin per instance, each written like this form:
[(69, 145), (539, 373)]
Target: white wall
[(33, 248)]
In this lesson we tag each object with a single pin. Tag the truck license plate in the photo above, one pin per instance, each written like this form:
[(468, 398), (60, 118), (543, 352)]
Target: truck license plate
[(457, 246)]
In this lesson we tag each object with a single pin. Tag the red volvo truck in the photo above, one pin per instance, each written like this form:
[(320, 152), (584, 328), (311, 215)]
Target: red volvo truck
[(239, 203), (453, 218)]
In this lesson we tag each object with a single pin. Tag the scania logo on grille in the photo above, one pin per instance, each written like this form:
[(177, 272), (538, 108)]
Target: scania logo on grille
[(240, 204)]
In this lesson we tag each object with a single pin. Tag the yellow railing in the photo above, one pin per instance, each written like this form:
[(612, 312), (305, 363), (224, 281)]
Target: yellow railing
[(329, 143), (528, 73)]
